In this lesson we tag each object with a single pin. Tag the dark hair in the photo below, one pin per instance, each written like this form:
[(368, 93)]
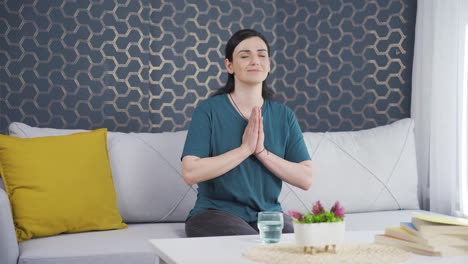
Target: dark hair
[(232, 43)]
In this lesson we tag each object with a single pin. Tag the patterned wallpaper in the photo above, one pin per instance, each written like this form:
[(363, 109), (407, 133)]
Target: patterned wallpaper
[(144, 65)]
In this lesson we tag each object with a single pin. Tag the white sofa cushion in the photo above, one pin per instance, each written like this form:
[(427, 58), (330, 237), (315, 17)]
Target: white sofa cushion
[(146, 170), (367, 170), (122, 246), (149, 176), (131, 245)]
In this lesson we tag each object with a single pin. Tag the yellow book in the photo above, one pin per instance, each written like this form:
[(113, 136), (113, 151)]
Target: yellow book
[(430, 228), (447, 220)]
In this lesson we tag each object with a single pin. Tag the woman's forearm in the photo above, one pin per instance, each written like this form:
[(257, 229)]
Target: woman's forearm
[(297, 174), (196, 169)]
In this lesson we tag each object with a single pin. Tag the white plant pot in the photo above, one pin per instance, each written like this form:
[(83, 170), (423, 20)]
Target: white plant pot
[(319, 234)]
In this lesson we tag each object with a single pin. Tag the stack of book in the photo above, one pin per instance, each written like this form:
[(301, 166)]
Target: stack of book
[(430, 235)]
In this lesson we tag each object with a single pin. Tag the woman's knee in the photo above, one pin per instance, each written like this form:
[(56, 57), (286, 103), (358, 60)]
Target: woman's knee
[(217, 223), (288, 225)]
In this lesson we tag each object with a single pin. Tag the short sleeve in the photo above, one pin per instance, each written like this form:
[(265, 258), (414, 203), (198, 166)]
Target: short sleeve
[(296, 149), (197, 142)]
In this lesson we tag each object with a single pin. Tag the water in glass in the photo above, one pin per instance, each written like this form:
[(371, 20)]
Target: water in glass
[(270, 225)]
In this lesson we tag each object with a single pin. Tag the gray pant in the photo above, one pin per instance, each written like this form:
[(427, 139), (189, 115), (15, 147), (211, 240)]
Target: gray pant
[(221, 223)]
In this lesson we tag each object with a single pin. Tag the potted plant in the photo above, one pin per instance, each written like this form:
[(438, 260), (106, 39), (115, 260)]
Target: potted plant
[(320, 229)]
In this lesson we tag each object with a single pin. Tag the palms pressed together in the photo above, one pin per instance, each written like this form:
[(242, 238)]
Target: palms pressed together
[(254, 137)]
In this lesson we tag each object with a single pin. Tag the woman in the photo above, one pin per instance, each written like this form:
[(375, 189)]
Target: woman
[(241, 146)]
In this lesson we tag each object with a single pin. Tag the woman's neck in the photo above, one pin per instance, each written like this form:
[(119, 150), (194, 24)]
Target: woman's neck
[(248, 97), (245, 99)]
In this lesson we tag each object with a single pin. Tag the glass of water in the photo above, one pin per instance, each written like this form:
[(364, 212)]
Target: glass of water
[(270, 225)]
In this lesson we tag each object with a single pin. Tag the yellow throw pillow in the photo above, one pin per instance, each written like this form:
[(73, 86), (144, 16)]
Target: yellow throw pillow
[(59, 184)]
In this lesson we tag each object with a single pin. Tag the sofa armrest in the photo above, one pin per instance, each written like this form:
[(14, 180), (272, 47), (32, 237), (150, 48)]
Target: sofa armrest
[(9, 250)]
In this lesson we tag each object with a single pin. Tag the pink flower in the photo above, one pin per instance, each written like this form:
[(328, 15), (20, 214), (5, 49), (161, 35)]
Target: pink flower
[(338, 210), (317, 208), (296, 214)]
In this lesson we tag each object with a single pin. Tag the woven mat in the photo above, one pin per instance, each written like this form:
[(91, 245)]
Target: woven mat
[(346, 253)]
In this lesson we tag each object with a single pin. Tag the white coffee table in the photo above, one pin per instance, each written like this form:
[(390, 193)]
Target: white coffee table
[(229, 249)]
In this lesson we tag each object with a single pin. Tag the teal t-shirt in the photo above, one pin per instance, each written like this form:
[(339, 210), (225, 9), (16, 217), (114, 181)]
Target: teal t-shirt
[(249, 188)]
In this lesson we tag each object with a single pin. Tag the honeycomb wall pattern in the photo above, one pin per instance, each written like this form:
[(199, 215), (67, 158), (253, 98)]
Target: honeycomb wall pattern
[(143, 66)]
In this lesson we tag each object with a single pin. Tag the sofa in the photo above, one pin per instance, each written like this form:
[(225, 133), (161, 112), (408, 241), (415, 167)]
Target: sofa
[(371, 172)]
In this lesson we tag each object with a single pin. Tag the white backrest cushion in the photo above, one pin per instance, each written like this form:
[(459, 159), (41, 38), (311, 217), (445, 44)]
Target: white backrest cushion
[(367, 170), (146, 170)]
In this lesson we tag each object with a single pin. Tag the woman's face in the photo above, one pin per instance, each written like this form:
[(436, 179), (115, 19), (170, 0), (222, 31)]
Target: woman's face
[(250, 62)]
